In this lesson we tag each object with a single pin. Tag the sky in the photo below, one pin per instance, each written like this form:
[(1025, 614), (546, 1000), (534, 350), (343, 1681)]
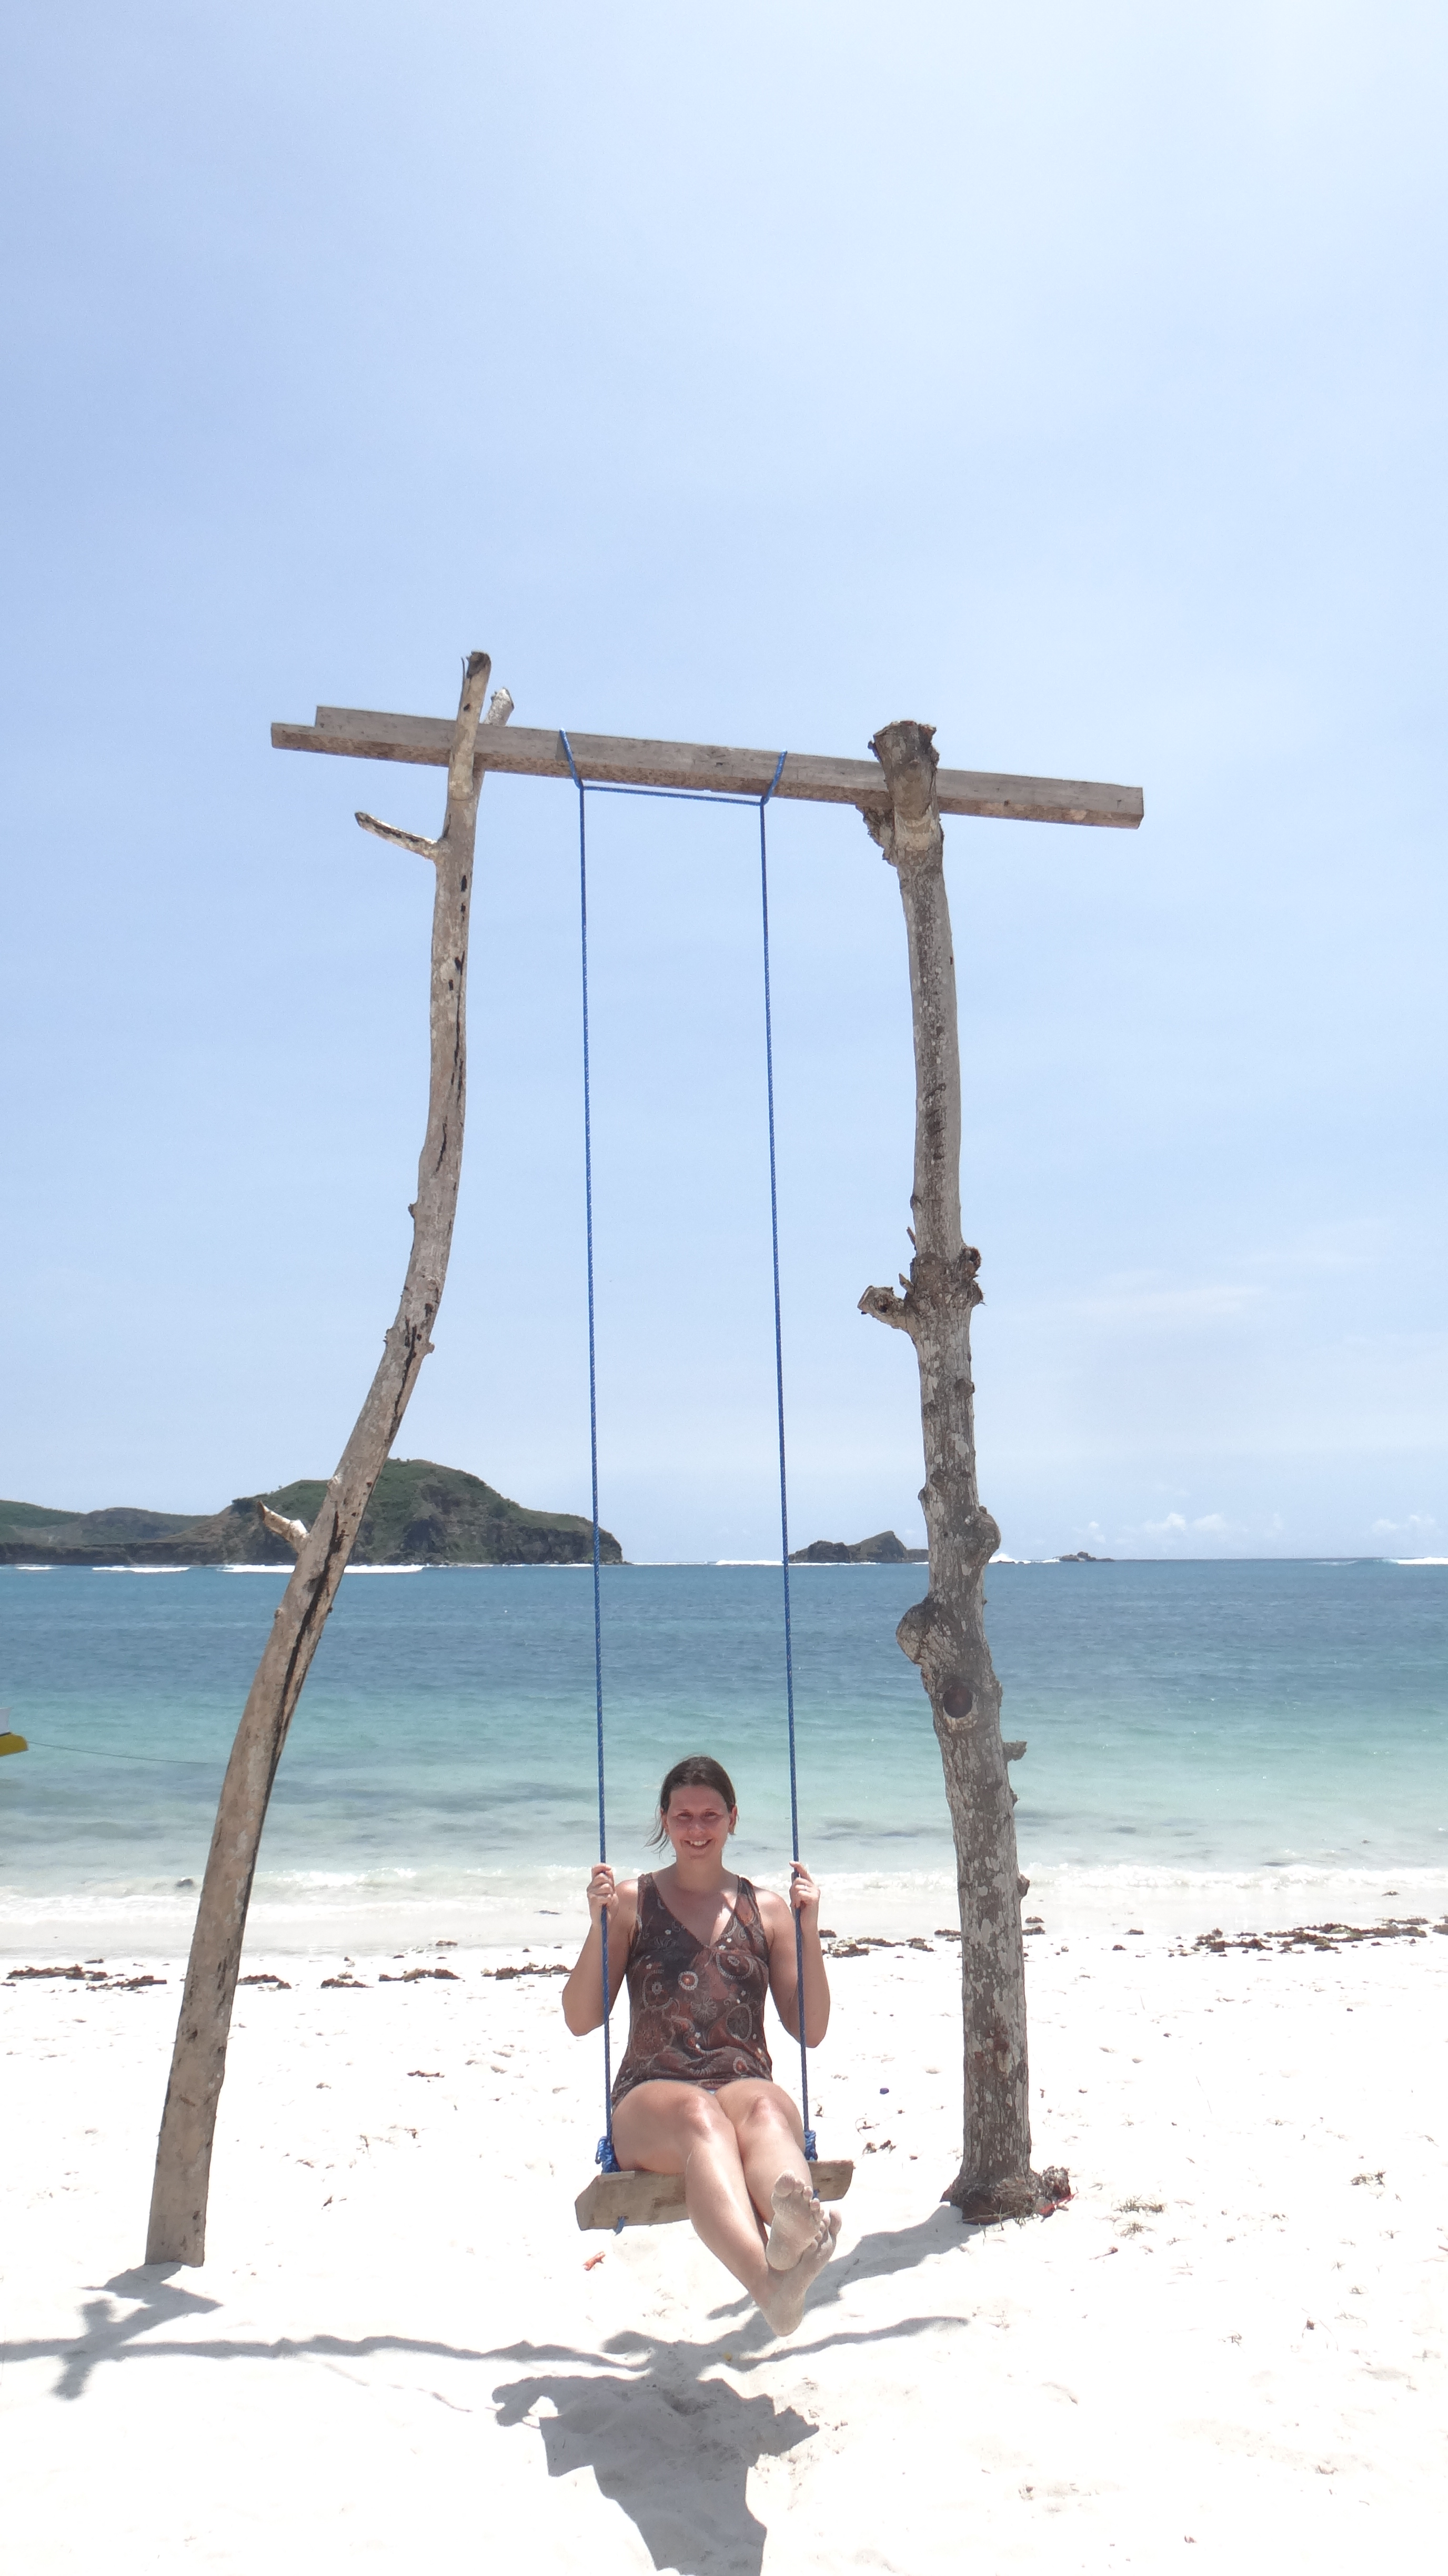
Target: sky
[(1071, 378)]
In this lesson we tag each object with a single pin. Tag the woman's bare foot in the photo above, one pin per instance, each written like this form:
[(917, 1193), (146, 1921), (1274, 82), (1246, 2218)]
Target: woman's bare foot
[(783, 2296), (796, 2223)]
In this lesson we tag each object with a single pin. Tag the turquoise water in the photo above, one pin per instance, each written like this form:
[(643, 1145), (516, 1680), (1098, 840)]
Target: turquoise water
[(1238, 1723)]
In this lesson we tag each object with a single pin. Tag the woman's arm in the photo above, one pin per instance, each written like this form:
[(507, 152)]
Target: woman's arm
[(783, 1969), (583, 1994)]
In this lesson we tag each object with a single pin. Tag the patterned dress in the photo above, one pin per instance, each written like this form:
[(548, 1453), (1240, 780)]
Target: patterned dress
[(696, 2008)]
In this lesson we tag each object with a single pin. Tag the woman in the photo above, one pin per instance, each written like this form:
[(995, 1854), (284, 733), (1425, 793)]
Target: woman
[(696, 2094)]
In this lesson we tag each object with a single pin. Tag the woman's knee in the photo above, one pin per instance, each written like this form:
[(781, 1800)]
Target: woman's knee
[(770, 2112), (698, 2117)]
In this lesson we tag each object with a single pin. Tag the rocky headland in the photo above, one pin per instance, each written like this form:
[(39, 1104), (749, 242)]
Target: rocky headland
[(420, 1514), (883, 1549)]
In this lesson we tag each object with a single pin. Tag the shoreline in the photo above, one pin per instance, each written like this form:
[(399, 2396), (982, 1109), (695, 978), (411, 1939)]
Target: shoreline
[(304, 1914), (798, 1564), (447, 1961)]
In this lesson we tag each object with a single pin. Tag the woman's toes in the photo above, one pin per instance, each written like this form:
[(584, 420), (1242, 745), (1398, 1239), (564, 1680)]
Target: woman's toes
[(796, 2226), (783, 2300)]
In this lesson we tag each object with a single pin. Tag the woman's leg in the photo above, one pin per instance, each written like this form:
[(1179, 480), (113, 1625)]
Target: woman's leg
[(771, 2151), (679, 2128), (771, 2138)]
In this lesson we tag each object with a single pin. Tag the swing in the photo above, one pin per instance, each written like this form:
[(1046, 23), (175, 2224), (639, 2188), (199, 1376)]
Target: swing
[(617, 2198)]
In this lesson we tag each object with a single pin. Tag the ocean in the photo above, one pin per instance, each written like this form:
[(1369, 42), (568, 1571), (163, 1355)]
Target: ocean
[(1208, 1743)]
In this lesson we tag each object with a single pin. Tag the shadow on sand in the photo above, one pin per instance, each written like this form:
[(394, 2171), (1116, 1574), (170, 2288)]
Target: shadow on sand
[(872, 2258), (668, 2441), (672, 2449), (668, 2445), (672, 2445), (109, 2336)]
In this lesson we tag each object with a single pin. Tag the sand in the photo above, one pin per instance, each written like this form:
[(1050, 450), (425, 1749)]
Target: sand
[(1227, 2352)]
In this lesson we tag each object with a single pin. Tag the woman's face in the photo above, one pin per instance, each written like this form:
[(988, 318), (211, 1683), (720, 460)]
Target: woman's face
[(698, 1823)]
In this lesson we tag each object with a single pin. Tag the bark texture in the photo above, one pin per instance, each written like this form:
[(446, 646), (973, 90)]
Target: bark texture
[(198, 2065), (945, 1633)]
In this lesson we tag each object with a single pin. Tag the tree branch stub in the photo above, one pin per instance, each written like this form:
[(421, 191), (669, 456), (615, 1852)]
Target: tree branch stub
[(294, 1532)]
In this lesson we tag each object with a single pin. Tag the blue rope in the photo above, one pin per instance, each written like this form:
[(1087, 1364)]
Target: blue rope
[(605, 2153), (809, 2135)]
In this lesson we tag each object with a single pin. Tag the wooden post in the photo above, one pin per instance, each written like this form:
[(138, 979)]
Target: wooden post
[(945, 1633), (198, 2064)]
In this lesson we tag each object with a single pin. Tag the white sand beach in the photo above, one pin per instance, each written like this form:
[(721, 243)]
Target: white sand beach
[(1228, 2351)]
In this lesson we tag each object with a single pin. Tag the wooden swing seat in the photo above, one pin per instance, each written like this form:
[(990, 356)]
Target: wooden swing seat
[(652, 2199)]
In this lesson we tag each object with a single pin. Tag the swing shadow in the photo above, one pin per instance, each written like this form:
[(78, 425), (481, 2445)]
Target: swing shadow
[(671, 2450), (669, 2446), (672, 2447), (668, 2441)]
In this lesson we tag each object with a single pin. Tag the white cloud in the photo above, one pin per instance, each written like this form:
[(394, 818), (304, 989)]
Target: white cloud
[(1141, 1298), (1202, 1525)]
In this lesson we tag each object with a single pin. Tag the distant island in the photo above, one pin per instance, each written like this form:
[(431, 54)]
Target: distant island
[(883, 1549), (420, 1514)]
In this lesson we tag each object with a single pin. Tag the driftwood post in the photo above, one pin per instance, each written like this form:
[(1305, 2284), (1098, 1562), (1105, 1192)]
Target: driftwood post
[(945, 1633), (198, 2064)]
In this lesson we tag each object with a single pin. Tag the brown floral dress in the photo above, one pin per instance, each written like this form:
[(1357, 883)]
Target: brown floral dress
[(696, 2009)]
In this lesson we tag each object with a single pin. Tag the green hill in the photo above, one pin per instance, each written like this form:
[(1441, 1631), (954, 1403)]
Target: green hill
[(17, 1516), (31, 1532), (420, 1514)]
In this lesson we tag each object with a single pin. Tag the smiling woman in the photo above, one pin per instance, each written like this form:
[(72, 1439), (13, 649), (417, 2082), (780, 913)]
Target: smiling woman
[(695, 2096)]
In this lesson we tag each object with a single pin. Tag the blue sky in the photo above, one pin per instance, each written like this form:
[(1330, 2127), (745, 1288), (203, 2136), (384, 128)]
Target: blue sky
[(1071, 378)]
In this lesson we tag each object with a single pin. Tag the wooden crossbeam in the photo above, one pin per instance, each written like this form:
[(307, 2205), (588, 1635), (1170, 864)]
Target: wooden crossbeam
[(610, 760)]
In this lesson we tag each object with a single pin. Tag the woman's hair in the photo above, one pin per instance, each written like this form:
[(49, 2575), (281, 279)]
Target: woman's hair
[(696, 1771)]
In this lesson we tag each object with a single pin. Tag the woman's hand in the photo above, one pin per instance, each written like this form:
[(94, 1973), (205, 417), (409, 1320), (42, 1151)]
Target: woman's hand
[(602, 1892), (608, 1905), (804, 1896), (809, 1997)]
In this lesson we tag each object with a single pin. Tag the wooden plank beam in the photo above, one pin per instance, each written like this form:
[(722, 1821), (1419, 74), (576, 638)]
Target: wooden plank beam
[(654, 2200), (609, 760)]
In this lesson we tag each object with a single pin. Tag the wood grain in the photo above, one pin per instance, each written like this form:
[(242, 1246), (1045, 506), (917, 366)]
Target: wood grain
[(655, 2200), (609, 760)]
